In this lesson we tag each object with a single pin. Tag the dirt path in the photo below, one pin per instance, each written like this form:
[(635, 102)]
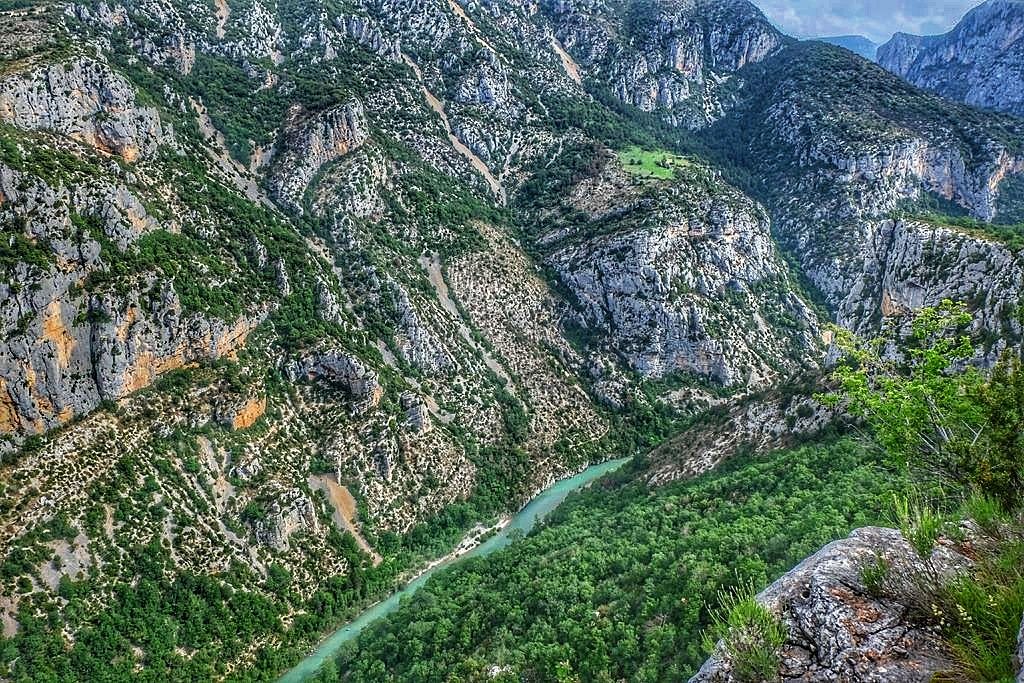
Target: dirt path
[(345, 512), (496, 187), (473, 28), (572, 69), (8, 612), (223, 13), (432, 265)]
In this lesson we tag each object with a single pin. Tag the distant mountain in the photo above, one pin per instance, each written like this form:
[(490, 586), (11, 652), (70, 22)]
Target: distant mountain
[(980, 62), (865, 47)]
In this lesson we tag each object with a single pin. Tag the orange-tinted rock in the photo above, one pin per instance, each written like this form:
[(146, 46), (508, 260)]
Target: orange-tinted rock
[(249, 412), (56, 332)]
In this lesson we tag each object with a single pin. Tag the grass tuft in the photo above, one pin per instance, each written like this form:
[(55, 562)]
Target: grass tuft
[(751, 635)]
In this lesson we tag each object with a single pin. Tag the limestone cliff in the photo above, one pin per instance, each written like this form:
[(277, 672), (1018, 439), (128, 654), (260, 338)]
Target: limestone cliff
[(980, 62), (312, 142), (396, 246), (680, 278), (672, 57), (844, 192), (85, 101)]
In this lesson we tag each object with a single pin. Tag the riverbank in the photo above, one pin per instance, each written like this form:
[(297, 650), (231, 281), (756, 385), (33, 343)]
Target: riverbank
[(476, 537), (483, 542)]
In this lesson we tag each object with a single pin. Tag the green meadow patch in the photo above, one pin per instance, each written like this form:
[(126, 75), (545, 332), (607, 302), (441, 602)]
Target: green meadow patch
[(654, 164)]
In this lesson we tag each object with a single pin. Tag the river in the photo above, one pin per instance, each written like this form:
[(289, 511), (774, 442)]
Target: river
[(535, 510)]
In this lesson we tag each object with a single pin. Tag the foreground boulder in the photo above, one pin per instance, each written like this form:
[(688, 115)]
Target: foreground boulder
[(838, 630)]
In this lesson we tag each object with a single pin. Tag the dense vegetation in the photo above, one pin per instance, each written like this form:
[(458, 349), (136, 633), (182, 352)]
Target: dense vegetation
[(616, 585), (962, 431), (960, 435), (619, 584), (188, 626)]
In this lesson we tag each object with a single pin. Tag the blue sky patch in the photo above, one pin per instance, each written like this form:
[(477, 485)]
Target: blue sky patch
[(875, 19)]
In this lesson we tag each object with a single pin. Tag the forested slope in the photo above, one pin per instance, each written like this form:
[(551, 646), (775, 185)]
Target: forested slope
[(618, 582), (295, 293)]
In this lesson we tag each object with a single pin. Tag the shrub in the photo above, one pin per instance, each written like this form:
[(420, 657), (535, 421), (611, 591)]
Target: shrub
[(918, 521), (875, 575), (985, 511), (982, 614), (996, 463), (750, 635), (956, 427)]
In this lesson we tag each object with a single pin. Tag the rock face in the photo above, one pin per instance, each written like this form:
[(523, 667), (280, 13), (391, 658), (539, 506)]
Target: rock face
[(86, 101), (243, 414), (837, 631), (417, 416), (902, 273), (672, 57), (664, 274), (979, 62), (341, 369), (840, 183), (1020, 654), (293, 512), (310, 143), (73, 365), (65, 350)]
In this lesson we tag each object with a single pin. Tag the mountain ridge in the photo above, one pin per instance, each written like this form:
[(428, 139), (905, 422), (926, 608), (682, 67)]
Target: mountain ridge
[(441, 253), (978, 62), (865, 47)]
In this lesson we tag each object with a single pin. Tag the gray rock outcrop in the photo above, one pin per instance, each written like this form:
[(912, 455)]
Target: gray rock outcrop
[(292, 512), (662, 276), (672, 57), (902, 273), (64, 350), (1019, 659), (979, 62), (341, 369), (837, 630), (312, 142), (86, 101)]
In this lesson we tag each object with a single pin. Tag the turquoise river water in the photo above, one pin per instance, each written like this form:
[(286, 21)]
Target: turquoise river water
[(535, 510)]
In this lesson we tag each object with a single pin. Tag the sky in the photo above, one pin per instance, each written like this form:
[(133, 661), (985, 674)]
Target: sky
[(876, 19)]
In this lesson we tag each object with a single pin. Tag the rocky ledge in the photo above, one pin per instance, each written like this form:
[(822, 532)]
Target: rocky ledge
[(838, 630)]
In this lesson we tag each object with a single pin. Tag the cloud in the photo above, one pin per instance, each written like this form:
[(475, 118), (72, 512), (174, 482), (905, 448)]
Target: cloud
[(876, 19)]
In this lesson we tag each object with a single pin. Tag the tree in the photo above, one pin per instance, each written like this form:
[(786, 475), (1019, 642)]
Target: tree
[(998, 469), (933, 412)]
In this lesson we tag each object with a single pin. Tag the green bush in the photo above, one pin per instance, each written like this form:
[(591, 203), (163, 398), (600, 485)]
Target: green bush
[(959, 428), (985, 511), (875, 574), (981, 614), (964, 431), (751, 636), (918, 521)]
